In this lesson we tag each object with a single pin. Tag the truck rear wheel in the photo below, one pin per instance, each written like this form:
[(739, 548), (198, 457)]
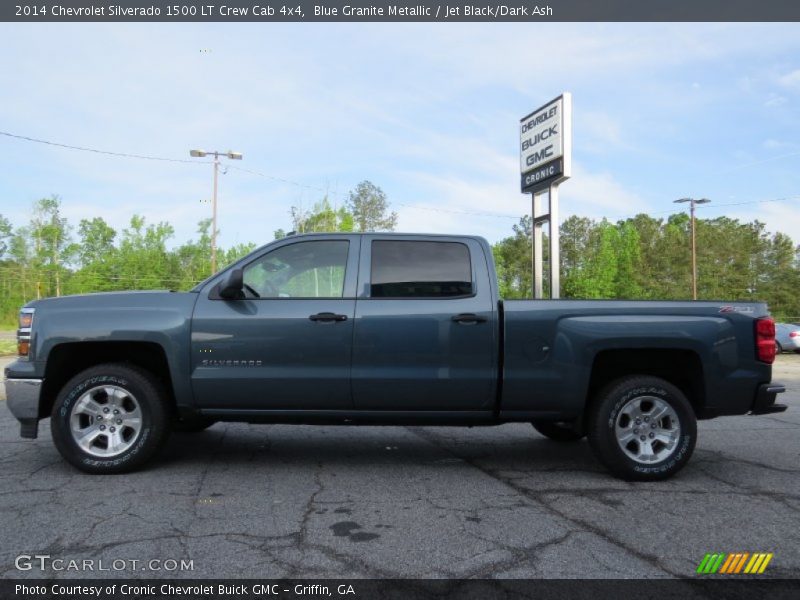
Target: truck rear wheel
[(642, 428), (110, 418), (559, 432)]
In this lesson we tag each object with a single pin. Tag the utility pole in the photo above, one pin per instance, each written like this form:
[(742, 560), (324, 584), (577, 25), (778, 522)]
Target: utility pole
[(692, 202), (233, 156)]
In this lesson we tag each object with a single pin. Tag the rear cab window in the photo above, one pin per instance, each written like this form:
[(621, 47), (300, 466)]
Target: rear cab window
[(420, 269)]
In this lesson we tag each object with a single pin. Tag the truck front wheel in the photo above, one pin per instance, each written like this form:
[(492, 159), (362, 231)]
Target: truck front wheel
[(642, 428), (110, 418)]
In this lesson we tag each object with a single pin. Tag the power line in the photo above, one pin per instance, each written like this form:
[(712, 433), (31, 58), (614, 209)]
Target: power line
[(339, 196), (760, 162), (755, 202), (705, 207), (281, 179), (460, 212), (95, 150)]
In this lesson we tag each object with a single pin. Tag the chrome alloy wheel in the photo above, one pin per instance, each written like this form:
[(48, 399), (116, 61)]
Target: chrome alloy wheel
[(647, 429), (106, 421)]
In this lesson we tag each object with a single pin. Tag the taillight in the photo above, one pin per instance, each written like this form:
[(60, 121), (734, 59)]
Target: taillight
[(794, 334), (765, 340), (24, 331)]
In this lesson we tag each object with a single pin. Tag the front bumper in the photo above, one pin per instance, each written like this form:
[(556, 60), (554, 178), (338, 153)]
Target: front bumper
[(22, 398), (765, 399)]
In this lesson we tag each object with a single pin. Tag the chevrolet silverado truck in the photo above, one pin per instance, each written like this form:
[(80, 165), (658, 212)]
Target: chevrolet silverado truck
[(388, 329)]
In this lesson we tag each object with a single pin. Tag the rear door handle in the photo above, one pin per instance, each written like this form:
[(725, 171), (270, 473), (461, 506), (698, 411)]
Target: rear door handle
[(469, 318), (327, 317)]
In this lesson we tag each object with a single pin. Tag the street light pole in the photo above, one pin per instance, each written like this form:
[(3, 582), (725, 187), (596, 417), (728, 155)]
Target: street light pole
[(233, 156), (214, 217), (692, 202)]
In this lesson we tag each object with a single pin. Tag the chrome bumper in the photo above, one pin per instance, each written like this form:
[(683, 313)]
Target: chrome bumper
[(22, 398)]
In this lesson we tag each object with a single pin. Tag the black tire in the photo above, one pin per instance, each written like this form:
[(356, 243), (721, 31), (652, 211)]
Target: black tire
[(191, 425), (778, 347), (607, 413), (558, 432), (128, 382)]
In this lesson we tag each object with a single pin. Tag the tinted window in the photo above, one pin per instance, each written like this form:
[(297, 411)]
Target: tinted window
[(420, 270), (301, 270)]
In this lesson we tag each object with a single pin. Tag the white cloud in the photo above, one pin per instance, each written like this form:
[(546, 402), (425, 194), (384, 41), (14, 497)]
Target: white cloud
[(775, 100), (791, 80), (778, 216), (773, 144), (598, 132), (598, 195), (491, 207), (427, 111)]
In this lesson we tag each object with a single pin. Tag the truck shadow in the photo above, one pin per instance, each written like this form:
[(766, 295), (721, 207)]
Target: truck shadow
[(503, 447)]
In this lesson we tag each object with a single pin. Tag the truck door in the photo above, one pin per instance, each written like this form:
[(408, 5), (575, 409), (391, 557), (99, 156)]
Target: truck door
[(286, 344), (425, 326)]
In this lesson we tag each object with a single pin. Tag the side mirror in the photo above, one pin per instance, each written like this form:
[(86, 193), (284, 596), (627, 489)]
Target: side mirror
[(231, 288)]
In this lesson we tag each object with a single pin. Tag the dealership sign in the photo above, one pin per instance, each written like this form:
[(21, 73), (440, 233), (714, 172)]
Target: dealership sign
[(546, 144)]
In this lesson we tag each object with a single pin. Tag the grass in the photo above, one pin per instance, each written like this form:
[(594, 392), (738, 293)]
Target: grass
[(8, 347)]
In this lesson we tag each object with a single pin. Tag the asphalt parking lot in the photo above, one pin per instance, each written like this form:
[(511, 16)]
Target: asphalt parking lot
[(289, 501)]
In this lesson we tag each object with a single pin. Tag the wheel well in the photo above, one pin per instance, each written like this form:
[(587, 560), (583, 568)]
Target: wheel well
[(682, 368), (67, 360)]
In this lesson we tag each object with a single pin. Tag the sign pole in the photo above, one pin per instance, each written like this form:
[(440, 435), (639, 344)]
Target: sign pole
[(536, 246), (555, 259), (546, 161)]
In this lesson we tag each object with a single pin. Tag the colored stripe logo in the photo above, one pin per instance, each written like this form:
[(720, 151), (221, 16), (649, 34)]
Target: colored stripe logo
[(735, 563)]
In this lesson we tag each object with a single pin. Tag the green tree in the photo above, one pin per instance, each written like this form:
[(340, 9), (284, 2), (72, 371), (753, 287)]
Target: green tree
[(236, 252), (96, 240), (512, 257), (6, 232), (370, 209), (52, 245), (97, 256), (576, 254), (194, 258), (144, 262), (629, 260), (597, 277), (781, 278), (321, 218)]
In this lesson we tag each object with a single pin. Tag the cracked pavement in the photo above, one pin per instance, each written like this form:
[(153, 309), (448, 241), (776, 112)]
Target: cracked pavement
[(267, 501)]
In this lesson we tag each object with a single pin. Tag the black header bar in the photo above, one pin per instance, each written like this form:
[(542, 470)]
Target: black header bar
[(388, 11)]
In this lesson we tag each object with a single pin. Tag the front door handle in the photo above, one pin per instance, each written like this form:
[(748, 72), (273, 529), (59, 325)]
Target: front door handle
[(328, 317), (469, 318)]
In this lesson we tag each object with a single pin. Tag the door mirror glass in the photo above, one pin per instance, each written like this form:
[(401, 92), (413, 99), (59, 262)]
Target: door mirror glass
[(231, 288)]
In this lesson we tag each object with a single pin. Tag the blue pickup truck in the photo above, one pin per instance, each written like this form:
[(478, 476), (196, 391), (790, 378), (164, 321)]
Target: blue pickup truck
[(384, 329)]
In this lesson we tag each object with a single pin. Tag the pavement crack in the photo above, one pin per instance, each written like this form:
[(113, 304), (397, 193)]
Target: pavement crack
[(580, 524)]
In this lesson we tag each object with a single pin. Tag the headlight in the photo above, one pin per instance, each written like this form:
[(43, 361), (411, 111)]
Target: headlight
[(24, 331)]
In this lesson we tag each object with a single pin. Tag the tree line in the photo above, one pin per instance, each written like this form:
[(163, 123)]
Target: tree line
[(48, 256), (637, 258), (644, 258)]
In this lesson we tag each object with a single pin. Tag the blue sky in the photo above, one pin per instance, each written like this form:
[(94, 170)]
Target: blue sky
[(429, 112)]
